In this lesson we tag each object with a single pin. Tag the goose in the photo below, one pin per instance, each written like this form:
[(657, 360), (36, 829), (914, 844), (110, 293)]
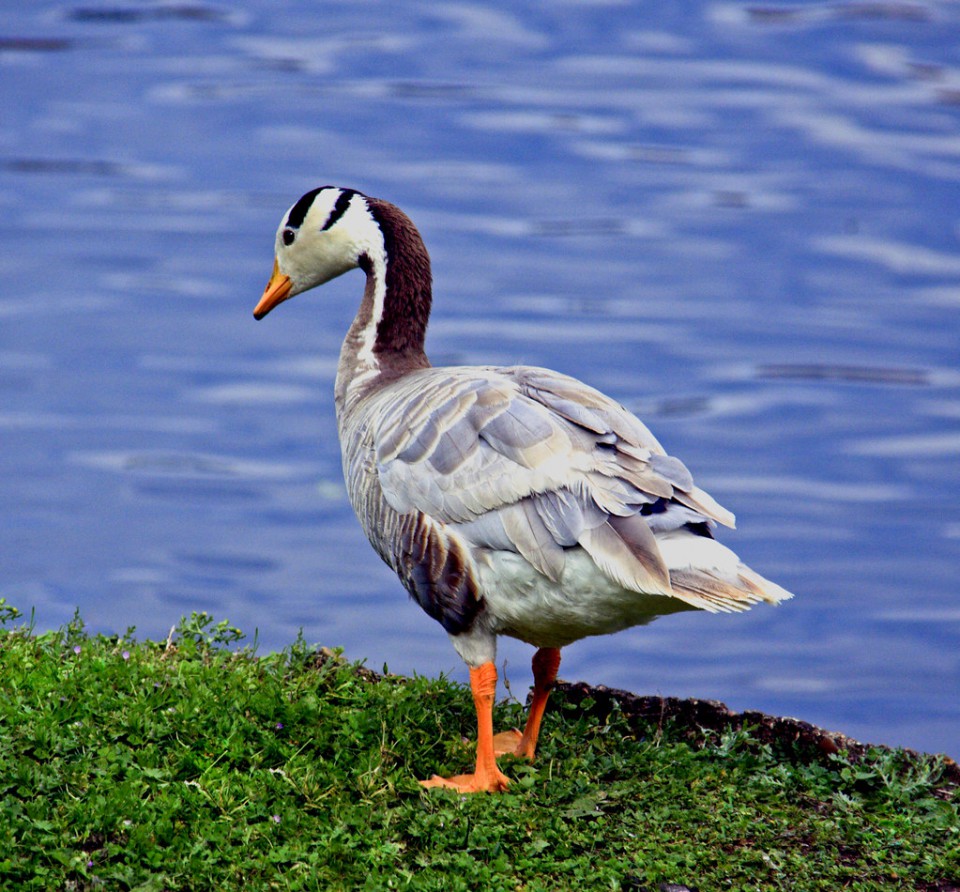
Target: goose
[(509, 501)]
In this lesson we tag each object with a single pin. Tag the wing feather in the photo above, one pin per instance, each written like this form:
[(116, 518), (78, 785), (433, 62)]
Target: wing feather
[(706, 505), (527, 531), (537, 461), (628, 556)]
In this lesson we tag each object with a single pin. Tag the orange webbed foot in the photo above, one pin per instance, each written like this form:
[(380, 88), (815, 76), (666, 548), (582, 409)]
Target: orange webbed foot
[(487, 782), (507, 743)]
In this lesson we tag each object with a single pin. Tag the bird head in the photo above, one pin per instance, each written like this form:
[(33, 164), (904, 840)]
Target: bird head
[(323, 235)]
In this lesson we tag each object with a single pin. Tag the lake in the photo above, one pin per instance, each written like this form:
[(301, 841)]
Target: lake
[(739, 220)]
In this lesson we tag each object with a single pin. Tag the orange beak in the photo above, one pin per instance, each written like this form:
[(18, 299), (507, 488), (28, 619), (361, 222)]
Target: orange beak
[(276, 292)]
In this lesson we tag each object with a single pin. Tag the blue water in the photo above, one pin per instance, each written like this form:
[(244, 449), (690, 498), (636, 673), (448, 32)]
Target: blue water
[(742, 221)]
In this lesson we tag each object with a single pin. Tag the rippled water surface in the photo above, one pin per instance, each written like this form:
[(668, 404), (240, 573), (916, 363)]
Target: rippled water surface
[(741, 221)]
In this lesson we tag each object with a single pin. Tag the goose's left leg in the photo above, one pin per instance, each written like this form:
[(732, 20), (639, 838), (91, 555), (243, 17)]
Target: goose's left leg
[(546, 663)]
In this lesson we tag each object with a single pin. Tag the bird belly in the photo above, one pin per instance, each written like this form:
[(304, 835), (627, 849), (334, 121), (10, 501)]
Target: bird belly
[(523, 603)]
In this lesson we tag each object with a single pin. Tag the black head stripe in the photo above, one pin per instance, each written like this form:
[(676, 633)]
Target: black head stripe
[(298, 212), (340, 208)]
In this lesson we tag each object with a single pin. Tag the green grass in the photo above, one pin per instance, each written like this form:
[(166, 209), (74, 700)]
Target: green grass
[(188, 764)]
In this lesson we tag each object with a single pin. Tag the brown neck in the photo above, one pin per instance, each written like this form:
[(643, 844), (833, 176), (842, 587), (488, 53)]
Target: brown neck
[(402, 328), (372, 356)]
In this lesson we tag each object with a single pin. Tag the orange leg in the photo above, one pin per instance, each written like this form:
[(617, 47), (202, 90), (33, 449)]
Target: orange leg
[(546, 662), (487, 778)]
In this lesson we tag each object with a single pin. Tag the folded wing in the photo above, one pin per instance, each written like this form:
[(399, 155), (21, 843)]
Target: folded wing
[(531, 461)]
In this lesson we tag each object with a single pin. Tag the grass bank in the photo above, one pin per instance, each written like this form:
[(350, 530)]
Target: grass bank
[(189, 764)]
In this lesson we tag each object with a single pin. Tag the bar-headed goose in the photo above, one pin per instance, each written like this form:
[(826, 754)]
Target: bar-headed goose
[(509, 501)]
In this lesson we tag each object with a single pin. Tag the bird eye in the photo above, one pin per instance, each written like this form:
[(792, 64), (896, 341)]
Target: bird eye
[(288, 236)]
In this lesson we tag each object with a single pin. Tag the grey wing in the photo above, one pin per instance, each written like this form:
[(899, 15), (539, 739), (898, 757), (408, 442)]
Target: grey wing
[(534, 462), (638, 456)]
